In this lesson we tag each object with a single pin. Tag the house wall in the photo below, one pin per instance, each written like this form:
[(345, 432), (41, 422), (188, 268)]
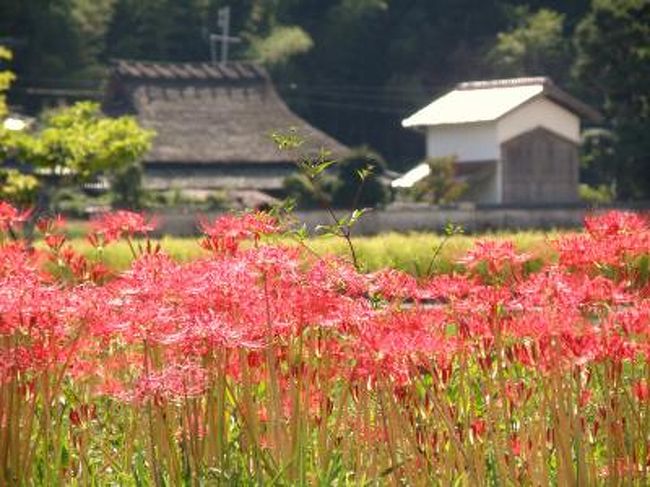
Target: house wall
[(226, 176), (539, 112), (484, 190), (487, 191), (539, 167), (468, 142)]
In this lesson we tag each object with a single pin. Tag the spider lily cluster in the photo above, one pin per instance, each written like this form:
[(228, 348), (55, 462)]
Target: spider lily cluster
[(264, 363)]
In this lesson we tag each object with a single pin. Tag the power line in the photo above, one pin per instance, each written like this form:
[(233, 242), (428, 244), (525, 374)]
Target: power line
[(45, 91), (352, 106), (351, 88), (65, 83), (388, 101)]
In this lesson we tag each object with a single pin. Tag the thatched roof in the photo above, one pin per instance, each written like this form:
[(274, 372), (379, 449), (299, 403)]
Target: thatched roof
[(209, 114)]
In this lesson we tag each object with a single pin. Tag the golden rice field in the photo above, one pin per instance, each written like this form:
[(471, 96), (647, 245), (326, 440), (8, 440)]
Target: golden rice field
[(411, 252)]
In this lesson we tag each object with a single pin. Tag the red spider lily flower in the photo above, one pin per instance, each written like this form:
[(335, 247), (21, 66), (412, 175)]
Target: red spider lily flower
[(615, 223), (478, 426), (165, 331), (51, 225), (11, 217), (446, 287), (337, 275), (55, 242), (641, 391), (585, 397), (612, 239), (225, 233), (175, 381), (496, 255), (515, 445), (393, 284), (113, 226)]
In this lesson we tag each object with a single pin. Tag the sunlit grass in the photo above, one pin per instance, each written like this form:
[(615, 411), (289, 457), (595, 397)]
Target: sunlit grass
[(411, 252)]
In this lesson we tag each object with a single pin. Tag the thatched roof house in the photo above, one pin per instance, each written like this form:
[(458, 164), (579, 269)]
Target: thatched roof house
[(213, 124)]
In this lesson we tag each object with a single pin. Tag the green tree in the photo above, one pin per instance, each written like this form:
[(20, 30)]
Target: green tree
[(82, 140), (6, 78), (14, 186), (613, 67), (56, 39), (78, 142), (535, 46), (280, 44), (161, 30)]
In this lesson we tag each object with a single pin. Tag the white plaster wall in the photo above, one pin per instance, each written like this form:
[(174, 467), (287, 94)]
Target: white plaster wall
[(539, 113), (468, 142)]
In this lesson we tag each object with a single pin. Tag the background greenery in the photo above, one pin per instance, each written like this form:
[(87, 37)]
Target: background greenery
[(356, 67)]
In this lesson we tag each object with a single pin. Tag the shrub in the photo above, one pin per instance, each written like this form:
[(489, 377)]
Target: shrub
[(344, 186), (440, 186), (308, 193), (350, 190), (599, 195)]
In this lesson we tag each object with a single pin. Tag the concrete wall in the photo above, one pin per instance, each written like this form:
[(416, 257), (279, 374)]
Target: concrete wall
[(411, 218)]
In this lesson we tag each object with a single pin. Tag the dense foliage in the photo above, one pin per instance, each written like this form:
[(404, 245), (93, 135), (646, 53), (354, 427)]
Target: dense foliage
[(72, 145), (269, 364), (613, 66), (356, 67)]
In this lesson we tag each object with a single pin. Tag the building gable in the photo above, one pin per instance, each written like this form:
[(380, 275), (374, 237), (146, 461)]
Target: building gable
[(539, 112)]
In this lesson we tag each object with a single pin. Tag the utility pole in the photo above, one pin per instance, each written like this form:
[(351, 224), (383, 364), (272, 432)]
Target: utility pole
[(223, 22)]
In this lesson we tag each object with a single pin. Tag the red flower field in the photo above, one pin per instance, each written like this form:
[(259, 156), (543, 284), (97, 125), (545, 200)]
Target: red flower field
[(264, 363)]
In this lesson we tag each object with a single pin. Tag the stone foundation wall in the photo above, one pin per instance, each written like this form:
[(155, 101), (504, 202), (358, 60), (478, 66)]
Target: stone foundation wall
[(416, 218)]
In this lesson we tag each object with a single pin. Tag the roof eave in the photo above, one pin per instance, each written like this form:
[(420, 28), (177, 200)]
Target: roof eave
[(422, 127), (563, 99), (573, 104)]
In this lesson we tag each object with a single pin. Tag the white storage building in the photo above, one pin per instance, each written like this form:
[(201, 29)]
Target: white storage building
[(515, 140)]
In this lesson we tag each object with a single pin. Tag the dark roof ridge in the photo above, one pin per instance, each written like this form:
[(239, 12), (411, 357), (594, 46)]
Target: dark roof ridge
[(504, 83), (114, 61), (167, 70)]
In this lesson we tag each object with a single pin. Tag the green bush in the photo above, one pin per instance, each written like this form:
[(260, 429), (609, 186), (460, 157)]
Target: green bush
[(310, 193), (353, 190), (596, 195), (440, 186), (126, 187)]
